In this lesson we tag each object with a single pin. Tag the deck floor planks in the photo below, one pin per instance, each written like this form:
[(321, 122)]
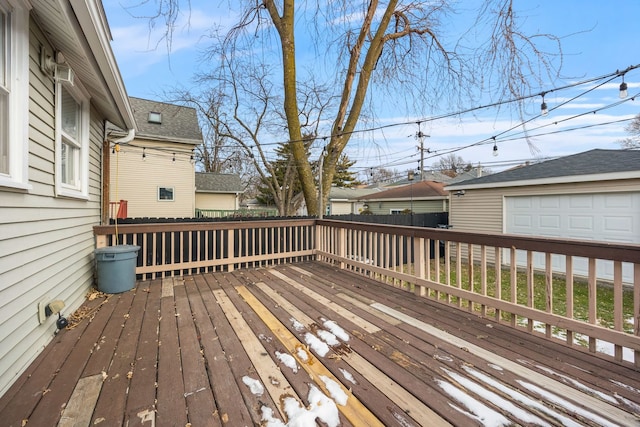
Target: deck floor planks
[(232, 358), (113, 397), (299, 380), (201, 408), (370, 351), (382, 400), (396, 344), (171, 404), (35, 383), (62, 386), (141, 396), (225, 390), (466, 324)]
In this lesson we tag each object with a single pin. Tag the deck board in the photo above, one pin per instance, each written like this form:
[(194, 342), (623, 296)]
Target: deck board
[(177, 350)]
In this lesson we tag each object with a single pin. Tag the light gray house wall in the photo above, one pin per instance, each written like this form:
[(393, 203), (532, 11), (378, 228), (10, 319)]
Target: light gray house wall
[(46, 238)]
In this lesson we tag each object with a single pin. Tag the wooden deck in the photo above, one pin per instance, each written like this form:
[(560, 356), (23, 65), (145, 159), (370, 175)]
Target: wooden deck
[(195, 351)]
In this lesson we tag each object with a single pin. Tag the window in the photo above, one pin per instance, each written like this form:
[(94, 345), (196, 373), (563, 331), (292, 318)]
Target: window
[(14, 94), (395, 211), (155, 117), (165, 194), (72, 123)]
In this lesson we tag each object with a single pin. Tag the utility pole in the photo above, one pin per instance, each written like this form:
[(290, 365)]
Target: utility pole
[(420, 136)]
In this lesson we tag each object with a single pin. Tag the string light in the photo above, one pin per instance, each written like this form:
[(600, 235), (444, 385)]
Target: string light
[(495, 147), (144, 154), (543, 107), (174, 157), (623, 89)]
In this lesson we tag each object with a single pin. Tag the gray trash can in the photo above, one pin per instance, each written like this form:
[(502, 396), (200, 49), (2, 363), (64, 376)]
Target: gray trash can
[(116, 266)]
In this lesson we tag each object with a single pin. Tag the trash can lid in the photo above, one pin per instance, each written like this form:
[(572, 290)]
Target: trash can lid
[(117, 249)]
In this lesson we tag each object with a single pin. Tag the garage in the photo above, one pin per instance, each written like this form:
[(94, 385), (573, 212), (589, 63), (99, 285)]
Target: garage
[(594, 195), (613, 217), (607, 217)]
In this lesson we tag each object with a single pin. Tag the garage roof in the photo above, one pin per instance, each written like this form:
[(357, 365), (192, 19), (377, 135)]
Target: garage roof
[(593, 165), (209, 182)]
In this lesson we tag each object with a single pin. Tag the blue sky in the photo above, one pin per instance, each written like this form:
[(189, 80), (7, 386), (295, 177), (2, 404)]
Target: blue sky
[(598, 38)]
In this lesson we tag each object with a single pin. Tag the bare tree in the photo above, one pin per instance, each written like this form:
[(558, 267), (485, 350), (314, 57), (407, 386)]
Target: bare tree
[(392, 47), (452, 165), (633, 129), (241, 116)]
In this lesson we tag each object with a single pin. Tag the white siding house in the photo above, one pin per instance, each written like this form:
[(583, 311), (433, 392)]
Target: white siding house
[(59, 85), (155, 172)]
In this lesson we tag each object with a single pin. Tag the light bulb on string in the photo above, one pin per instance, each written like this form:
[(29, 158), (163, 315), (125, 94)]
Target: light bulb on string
[(495, 148), (543, 107), (144, 154), (623, 89), (174, 157)]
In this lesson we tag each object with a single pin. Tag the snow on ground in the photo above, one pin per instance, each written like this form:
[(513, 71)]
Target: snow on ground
[(476, 409), (335, 329), (575, 383), (495, 398), (320, 408), (288, 360), (335, 390), (327, 337), (556, 400), (316, 344), (297, 325), (347, 376), (254, 385), (302, 354), (525, 400)]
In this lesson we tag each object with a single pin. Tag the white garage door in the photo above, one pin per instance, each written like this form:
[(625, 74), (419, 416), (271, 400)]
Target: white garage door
[(604, 217)]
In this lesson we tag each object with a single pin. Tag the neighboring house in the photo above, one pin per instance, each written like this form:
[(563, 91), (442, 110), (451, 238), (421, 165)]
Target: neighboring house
[(593, 195), (344, 201), (59, 85), (418, 197), (218, 191), (155, 172)]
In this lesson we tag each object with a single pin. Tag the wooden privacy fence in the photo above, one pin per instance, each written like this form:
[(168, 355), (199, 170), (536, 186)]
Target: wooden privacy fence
[(586, 293)]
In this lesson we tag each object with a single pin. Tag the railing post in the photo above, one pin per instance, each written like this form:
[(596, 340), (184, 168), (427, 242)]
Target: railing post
[(342, 245), (419, 262), (230, 251)]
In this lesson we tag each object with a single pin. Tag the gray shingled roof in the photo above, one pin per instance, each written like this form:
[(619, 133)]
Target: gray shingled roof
[(593, 162), (179, 123), (209, 182)]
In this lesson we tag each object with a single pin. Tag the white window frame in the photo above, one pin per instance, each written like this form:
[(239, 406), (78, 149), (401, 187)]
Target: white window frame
[(173, 194), (395, 211), (17, 88), (80, 188)]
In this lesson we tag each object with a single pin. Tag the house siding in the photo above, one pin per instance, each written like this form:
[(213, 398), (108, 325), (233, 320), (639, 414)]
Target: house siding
[(46, 243), (143, 177)]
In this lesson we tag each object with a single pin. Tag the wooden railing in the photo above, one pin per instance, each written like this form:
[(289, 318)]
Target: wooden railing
[(585, 293), (169, 249), (499, 276)]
